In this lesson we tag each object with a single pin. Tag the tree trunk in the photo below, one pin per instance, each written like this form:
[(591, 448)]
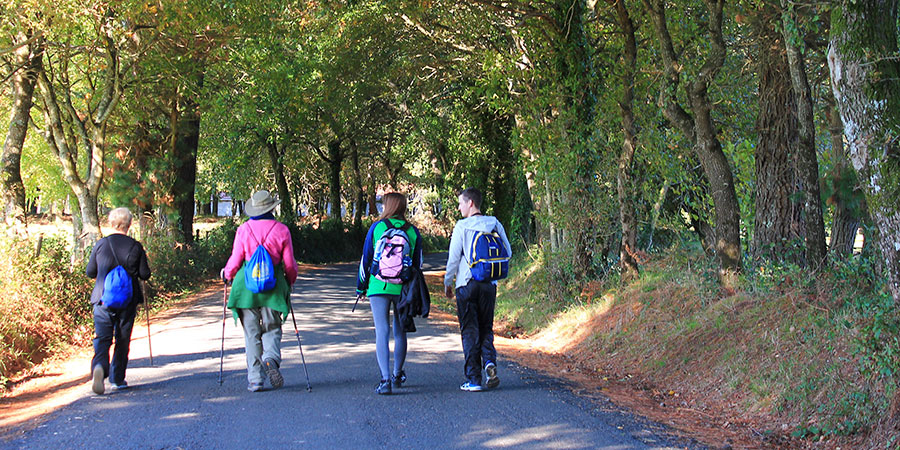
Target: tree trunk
[(705, 232), (276, 157), (712, 158), (847, 199), (655, 211), (90, 218), (184, 153), (865, 78), (624, 178), (26, 63), (392, 172), (777, 216), (335, 159), (807, 162), (373, 206), (360, 201), (574, 62)]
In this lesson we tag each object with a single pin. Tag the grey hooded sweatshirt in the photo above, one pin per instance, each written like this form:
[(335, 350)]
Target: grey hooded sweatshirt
[(460, 243)]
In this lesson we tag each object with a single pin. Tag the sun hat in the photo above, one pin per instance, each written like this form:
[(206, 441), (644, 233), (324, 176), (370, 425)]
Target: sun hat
[(260, 203)]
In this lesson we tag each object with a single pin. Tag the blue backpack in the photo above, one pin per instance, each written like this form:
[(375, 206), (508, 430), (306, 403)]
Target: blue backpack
[(259, 273), (117, 287), (490, 260)]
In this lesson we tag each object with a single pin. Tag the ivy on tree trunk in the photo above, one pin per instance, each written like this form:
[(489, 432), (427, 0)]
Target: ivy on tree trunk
[(26, 65)]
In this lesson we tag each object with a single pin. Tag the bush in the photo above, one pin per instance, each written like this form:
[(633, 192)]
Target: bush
[(177, 266), (329, 242), (44, 302)]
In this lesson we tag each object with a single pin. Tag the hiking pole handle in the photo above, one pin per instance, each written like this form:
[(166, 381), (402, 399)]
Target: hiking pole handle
[(359, 296)]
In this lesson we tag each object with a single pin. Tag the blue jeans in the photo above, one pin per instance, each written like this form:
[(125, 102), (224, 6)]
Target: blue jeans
[(110, 324), (475, 310)]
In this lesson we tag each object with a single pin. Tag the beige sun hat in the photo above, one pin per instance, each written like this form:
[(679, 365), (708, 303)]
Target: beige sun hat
[(260, 203)]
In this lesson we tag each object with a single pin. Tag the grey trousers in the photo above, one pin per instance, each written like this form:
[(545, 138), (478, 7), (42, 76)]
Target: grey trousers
[(262, 339), (381, 312)]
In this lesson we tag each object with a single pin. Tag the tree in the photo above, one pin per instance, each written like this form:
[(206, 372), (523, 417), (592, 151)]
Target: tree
[(624, 176), (843, 189), (807, 162), (700, 127), (81, 83), (865, 77), (776, 223), (24, 68)]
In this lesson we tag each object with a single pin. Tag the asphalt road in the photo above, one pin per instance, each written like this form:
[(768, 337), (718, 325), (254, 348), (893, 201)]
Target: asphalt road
[(177, 403)]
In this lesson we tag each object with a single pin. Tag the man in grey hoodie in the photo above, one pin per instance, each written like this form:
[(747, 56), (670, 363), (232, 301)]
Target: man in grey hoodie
[(474, 299)]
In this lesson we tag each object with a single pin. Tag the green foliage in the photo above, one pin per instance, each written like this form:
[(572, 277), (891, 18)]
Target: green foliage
[(177, 267), (522, 304), (44, 302), (329, 242)]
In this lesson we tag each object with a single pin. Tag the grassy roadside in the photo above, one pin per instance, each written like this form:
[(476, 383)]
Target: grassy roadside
[(799, 360)]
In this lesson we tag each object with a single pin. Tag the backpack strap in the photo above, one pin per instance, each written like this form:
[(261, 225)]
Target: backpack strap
[(113, 251), (261, 242), (404, 227)]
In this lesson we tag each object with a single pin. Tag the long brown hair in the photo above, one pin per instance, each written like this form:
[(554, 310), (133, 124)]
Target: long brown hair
[(394, 206)]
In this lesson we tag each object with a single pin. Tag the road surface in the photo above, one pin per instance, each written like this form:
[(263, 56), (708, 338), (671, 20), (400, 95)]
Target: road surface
[(177, 403)]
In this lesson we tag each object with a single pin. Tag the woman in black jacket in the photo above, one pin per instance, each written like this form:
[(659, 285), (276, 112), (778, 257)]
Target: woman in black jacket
[(114, 250)]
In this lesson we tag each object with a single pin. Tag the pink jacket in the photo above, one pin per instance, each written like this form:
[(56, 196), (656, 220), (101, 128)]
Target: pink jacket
[(277, 243)]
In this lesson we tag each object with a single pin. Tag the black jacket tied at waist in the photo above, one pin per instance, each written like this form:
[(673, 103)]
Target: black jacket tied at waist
[(414, 300)]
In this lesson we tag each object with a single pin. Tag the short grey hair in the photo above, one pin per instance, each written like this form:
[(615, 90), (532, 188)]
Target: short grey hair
[(120, 219)]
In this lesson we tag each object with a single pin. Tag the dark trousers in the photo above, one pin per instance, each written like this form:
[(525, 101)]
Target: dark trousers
[(109, 324), (475, 310)]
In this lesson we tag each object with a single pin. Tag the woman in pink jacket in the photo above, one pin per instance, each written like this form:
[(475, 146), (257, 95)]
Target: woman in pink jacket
[(262, 313)]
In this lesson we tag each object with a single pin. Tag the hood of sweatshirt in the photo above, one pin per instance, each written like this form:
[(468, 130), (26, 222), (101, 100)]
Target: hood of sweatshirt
[(479, 223)]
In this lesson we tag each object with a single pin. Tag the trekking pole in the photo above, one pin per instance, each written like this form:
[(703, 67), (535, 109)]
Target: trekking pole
[(147, 313), (297, 333), (224, 318)]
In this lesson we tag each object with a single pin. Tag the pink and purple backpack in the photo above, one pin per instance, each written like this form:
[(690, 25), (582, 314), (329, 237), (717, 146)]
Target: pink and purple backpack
[(393, 255)]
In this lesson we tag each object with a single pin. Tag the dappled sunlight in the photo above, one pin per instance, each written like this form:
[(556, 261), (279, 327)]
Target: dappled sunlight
[(181, 416), (222, 399), (572, 327), (550, 436)]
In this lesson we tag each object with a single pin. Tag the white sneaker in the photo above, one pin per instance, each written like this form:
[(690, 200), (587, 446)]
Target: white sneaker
[(469, 386), (97, 377), (492, 379)]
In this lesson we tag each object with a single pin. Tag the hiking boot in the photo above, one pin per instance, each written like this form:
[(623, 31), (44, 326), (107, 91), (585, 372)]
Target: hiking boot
[(383, 388), (97, 377), (255, 387), (272, 372), (399, 379), (469, 386), (120, 386), (492, 379)]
